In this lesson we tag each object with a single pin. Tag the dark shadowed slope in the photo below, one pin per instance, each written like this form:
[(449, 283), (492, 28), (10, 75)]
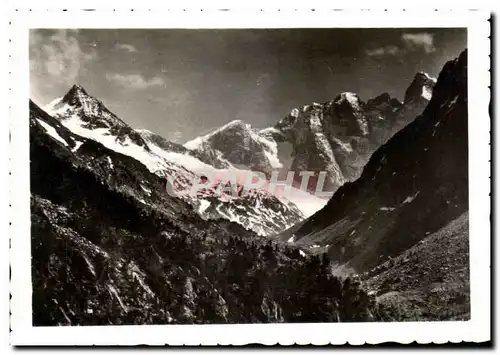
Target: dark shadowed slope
[(429, 281)]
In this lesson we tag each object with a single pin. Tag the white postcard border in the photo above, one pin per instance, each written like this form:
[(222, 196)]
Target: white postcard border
[(477, 329)]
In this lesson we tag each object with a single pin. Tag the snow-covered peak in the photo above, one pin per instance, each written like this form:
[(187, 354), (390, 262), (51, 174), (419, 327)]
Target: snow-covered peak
[(235, 125), (420, 88), (349, 98), (241, 145), (76, 92), (426, 76), (77, 102), (78, 97)]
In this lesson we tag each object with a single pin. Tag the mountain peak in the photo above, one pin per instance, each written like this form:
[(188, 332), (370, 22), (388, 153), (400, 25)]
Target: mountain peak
[(348, 99), (235, 124), (78, 87), (420, 88), (77, 102), (421, 75), (383, 101), (75, 94), (228, 128)]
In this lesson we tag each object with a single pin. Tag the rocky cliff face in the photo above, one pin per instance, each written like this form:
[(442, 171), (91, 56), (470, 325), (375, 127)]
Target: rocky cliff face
[(412, 186), (335, 137), (339, 136)]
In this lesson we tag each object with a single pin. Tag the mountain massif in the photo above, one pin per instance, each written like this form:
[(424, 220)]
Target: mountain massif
[(336, 137), (111, 245)]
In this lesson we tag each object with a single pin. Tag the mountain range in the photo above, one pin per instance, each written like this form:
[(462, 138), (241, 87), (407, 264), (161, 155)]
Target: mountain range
[(110, 245), (87, 116), (336, 137)]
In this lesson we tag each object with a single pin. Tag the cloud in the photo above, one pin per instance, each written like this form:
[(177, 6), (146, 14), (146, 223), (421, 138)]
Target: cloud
[(381, 51), (126, 47), (410, 42), (58, 55), (421, 40), (134, 81)]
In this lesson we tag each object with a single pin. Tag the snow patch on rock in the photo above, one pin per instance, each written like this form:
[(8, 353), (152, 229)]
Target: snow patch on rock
[(410, 199), (52, 132), (204, 204), (110, 161), (387, 209), (77, 146), (426, 93)]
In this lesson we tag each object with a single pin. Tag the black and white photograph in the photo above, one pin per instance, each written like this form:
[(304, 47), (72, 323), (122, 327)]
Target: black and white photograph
[(236, 176)]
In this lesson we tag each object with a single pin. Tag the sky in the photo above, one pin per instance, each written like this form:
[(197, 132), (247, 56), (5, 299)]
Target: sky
[(183, 83)]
